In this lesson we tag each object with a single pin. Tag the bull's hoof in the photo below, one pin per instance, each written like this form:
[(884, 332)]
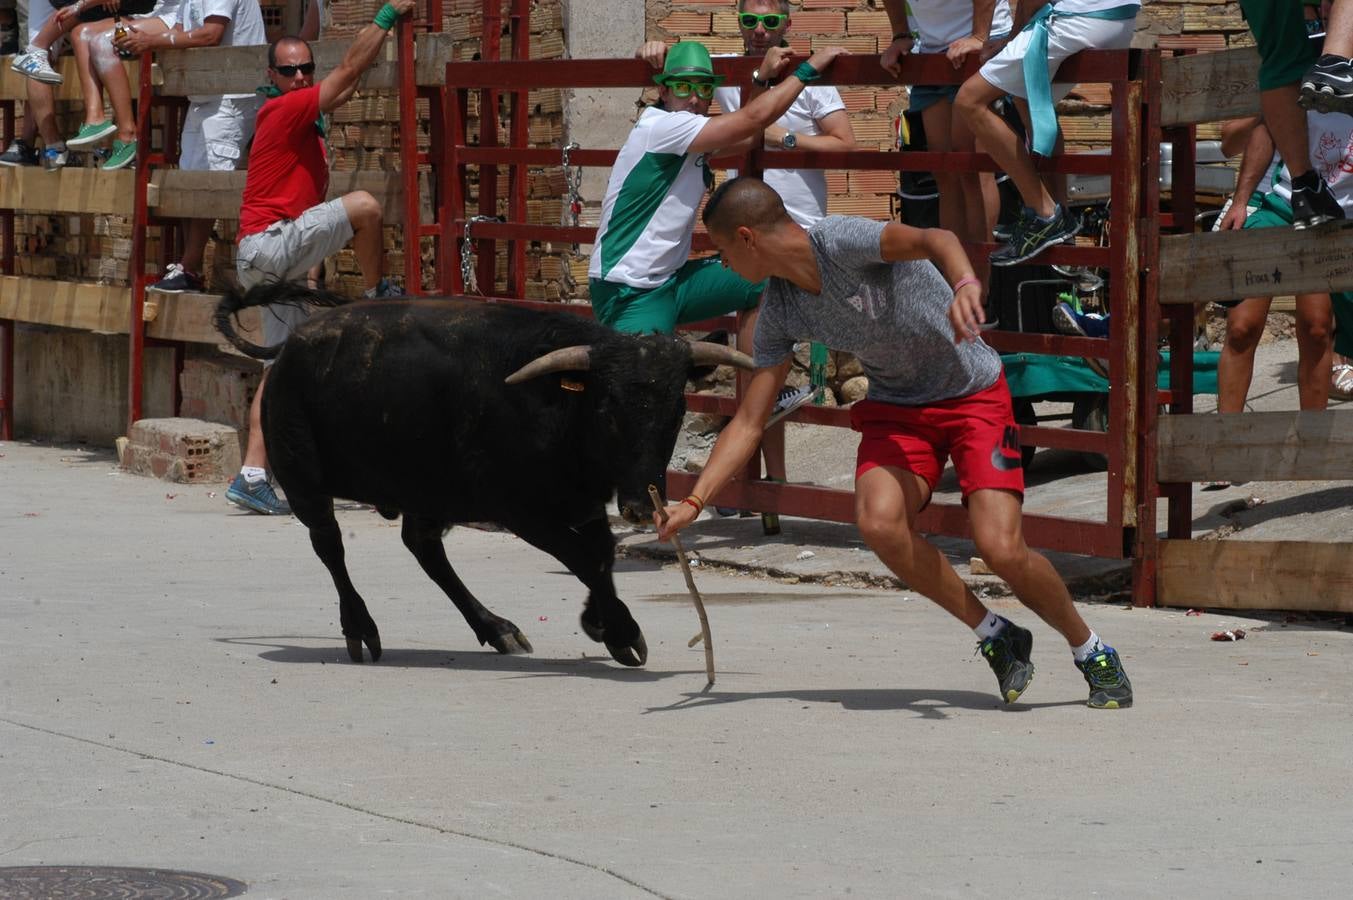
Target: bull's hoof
[(508, 644), (373, 643), (594, 630), (635, 654)]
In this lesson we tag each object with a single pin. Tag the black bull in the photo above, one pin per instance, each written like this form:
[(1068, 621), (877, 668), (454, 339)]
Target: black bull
[(450, 411)]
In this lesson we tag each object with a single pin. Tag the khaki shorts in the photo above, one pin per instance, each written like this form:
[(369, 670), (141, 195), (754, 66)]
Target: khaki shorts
[(285, 251), (215, 133)]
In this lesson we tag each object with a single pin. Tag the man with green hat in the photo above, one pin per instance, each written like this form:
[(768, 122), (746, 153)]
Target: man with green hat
[(640, 278)]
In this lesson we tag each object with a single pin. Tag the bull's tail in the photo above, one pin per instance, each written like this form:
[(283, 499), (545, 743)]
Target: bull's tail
[(282, 292)]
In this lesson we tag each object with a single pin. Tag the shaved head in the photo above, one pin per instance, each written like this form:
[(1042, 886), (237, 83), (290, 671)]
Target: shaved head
[(744, 201)]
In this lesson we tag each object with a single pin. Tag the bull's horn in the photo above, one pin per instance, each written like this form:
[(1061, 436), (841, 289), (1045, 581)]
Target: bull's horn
[(565, 359), (704, 353)]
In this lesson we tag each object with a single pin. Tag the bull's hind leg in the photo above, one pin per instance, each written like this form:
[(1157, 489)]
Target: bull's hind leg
[(588, 551), (358, 627), (423, 537)]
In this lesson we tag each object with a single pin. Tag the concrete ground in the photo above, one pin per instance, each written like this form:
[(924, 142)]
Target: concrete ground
[(176, 695)]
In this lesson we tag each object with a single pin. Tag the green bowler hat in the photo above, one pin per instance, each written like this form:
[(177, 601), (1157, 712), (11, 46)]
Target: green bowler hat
[(687, 60)]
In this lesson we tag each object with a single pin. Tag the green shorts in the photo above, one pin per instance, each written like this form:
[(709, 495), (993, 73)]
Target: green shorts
[(1274, 212), (1279, 28), (701, 289)]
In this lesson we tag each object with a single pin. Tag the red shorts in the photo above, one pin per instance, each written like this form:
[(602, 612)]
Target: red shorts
[(978, 431)]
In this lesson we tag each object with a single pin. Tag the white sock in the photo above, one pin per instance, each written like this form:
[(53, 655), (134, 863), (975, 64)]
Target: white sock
[(989, 627), (253, 474), (1088, 649)]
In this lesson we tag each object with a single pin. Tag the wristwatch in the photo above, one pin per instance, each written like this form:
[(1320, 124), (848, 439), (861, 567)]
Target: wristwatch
[(758, 81), (789, 141)]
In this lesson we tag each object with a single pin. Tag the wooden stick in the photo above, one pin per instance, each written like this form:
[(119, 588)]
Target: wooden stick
[(690, 586)]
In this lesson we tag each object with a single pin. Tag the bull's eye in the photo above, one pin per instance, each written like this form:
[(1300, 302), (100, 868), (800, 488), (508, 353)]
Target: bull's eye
[(569, 384)]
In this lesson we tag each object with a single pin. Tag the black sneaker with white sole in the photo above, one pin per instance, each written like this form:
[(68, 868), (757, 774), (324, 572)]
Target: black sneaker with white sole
[(1327, 85), (1312, 206), (19, 154), (178, 280)]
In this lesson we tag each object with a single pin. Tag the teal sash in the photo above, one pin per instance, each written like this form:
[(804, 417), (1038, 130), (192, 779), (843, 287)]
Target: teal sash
[(1037, 81)]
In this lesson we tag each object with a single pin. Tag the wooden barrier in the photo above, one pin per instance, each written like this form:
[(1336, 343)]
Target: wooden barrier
[(188, 318), (14, 86), (1304, 575), (68, 190), (1256, 446), (238, 70), (88, 307), (1209, 87), (1261, 262)]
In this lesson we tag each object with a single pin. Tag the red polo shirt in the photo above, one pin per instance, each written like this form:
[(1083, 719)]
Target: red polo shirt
[(288, 171)]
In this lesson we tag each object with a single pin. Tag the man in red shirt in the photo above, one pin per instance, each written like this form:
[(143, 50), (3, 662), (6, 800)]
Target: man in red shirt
[(286, 226)]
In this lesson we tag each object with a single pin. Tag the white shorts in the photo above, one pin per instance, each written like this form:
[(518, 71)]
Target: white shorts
[(215, 133), (39, 11), (285, 251), (1066, 35)]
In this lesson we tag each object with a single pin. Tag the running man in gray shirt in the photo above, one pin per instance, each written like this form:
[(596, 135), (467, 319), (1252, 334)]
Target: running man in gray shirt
[(906, 303)]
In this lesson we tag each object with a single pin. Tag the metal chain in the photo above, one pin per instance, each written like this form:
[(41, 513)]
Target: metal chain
[(467, 275), (573, 177)]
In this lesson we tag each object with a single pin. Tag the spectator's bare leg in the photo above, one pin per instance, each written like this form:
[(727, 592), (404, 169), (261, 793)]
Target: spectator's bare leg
[(42, 113), (1339, 29), (364, 212), (91, 87), (1315, 349), (974, 105), (254, 452), (196, 233), (1244, 327), (1286, 121)]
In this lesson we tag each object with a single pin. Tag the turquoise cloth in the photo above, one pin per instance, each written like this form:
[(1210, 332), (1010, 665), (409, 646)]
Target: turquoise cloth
[(1033, 375), (1037, 80)]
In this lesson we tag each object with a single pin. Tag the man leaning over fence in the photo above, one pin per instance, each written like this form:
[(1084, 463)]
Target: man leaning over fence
[(218, 127), (286, 226)]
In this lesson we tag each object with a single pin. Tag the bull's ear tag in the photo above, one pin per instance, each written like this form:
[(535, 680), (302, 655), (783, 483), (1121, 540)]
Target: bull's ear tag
[(569, 384)]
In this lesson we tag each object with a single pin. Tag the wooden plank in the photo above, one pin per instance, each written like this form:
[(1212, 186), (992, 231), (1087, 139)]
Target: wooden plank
[(174, 193), (1260, 262), (89, 307), (188, 317), (14, 86), (239, 70), (1236, 574), (1209, 87), (70, 190), (1256, 446)]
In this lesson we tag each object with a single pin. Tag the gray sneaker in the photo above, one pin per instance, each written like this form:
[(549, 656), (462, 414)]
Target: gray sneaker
[(1007, 652)]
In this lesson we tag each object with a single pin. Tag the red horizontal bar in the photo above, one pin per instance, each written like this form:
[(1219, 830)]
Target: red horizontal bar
[(813, 502), (1054, 344), (563, 234), (1092, 66)]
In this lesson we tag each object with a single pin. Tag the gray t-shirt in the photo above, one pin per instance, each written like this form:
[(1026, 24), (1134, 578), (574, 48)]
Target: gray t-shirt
[(892, 316)]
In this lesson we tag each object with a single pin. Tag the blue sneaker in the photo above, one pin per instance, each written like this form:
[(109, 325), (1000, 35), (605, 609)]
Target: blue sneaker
[(258, 497), (1109, 685)]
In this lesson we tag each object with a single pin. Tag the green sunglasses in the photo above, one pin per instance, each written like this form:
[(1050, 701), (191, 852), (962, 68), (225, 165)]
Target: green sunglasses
[(772, 21), (683, 89)]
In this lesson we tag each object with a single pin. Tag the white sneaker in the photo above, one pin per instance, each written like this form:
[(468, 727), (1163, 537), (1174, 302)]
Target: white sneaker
[(790, 399), (33, 63), (54, 158)]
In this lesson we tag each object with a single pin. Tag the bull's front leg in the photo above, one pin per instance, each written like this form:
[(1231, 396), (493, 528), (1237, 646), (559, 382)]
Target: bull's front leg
[(423, 537), (588, 550)]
